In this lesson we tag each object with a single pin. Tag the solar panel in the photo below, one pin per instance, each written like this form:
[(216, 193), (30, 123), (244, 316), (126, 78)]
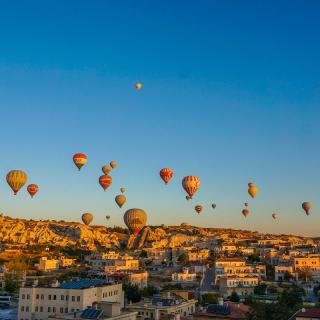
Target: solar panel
[(82, 284), (91, 314), (217, 309)]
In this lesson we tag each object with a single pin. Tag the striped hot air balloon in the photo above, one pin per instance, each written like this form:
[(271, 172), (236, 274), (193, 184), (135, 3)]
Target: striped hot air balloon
[(120, 200), (135, 220), (32, 189), (191, 184), (198, 208), (166, 174), (105, 181), (16, 180), (80, 159), (87, 218), (106, 169)]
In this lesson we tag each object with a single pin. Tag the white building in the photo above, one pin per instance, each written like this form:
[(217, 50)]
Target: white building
[(38, 303), (184, 276)]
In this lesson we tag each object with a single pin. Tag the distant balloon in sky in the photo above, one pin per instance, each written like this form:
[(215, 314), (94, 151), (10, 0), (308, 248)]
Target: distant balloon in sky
[(253, 190), (80, 159), (274, 216), (107, 217), (307, 206), (135, 220), (16, 179), (106, 169), (122, 190), (245, 212), (246, 204), (213, 206), (198, 208), (105, 181), (138, 85), (191, 184), (120, 200), (32, 189), (113, 164), (166, 174), (87, 218)]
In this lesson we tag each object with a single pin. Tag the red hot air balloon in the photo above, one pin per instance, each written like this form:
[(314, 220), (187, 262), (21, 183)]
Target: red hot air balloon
[(166, 174), (245, 212), (32, 189), (105, 181), (80, 159), (191, 184)]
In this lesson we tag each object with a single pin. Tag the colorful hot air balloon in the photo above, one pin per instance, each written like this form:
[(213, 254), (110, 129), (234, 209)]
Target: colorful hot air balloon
[(138, 85), (113, 164), (107, 217), (122, 190), (191, 184), (106, 169), (135, 220), (120, 200), (245, 212), (80, 159), (213, 206), (16, 180), (32, 189), (198, 208), (274, 216), (253, 190), (87, 218), (105, 181), (166, 174), (307, 206)]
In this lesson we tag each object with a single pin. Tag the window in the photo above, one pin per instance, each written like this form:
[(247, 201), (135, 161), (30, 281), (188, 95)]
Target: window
[(62, 297), (41, 309), (49, 297), (78, 298), (23, 296), (36, 309), (49, 309), (53, 309), (28, 296), (67, 298), (73, 298), (66, 310), (54, 297), (22, 308), (61, 310), (37, 296), (42, 297), (27, 308)]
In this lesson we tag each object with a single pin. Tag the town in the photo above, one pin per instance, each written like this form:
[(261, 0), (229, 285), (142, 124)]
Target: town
[(67, 270)]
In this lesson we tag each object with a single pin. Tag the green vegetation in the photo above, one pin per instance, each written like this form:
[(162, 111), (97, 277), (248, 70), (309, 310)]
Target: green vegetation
[(183, 258), (209, 298), (234, 297), (260, 289), (169, 286), (134, 294)]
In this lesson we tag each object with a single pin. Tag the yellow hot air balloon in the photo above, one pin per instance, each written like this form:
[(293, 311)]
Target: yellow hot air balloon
[(307, 206), (198, 208), (16, 180), (253, 190), (120, 200), (87, 218), (113, 164), (106, 169), (191, 184), (135, 220), (122, 190)]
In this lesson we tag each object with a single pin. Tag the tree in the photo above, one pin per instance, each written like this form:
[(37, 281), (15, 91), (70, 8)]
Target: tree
[(209, 298), (254, 258), (132, 292), (234, 297), (11, 283), (143, 254), (305, 274), (287, 276), (183, 258), (260, 289), (270, 272), (149, 291)]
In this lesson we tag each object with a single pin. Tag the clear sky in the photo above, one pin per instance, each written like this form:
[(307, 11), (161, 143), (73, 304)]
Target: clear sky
[(231, 93)]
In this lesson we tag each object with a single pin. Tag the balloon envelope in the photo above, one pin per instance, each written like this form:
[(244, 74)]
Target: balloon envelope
[(213, 206), (274, 216), (32, 189), (138, 85), (16, 179), (122, 190), (198, 208), (106, 169), (245, 212), (307, 206), (105, 181), (87, 218), (135, 220), (80, 159), (166, 174), (191, 184), (113, 164), (120, 200), (253, 190), (107, 217)]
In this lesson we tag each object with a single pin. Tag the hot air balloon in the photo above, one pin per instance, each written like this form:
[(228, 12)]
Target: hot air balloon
[(16, 180), (80, 159), (307, 206), (122, 190), (166, 174), (213, 206), (107, 217), (198, 208), (32, 189), (246, 204), (135, 220), (274, 216), (120, 200), (245, 212), (87, 218), (106, 169), (191, 184), (113, 164), (138, 85), (253, 190), (105, 181)]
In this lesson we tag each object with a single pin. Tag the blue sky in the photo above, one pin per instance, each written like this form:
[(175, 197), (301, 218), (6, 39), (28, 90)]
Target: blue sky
[(231, 93)]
